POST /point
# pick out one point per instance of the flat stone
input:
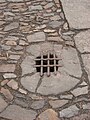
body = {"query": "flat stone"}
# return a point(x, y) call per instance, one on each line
point(15, 0)
point(48, 114)
point(15, 112)
point(22, 91)
point(69, 112)
point(80, 91)
point(3, 104)
point(9, 75)
point(30, 82)
point(36, 37)
point(56, 39)
point(82, 41)
point(48, 5)
point(27, 65)
point(7, 67)
point(56, 84)
point(70, 61)
point(35, 7)
point(38, 104)
point(11, 26)
point(57, 103)
point(13, 84)
point(34, 49)
point(7, 94)
point(86, 60)
point(68, 96)
point(77, 12)
point(86, 106)
point(55, 24)
point(81, 117)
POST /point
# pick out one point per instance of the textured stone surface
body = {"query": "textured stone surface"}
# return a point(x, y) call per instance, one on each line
point(48, 114)
point(38, 104)
point(69, 112)
point(30, 82)
point(86, 60)
point(36, 37)
point(58, 103)
point(28, 65)
point(7, 68)
point(82, 41)
point(11, 26)
point(79, 91)
point(3, 104)
point(12, 111)
point(77, 13)
point(56, 84)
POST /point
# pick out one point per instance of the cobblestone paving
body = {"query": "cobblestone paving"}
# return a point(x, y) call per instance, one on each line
point(29, 28)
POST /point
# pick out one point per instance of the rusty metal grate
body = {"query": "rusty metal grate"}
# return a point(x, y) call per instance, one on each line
point(47, 64)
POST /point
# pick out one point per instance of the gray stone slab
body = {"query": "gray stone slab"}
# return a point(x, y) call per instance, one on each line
point(77, 13)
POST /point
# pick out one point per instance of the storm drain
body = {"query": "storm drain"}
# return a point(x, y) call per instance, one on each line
point(47, 64)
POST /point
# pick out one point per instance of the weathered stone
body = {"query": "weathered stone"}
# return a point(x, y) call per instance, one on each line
point(36, 37)
point(34, 49)
point(56, 17)
point(82, 41)
point(48, 114)
point(86, 106)
point(80, 91)
point(11, 43)
point(70, 61)
point(69, 112)
point(30, 82)
point(9, 75)
point(15, 112)
point(68, 96)
point(76, 13)
point(15, 0)
point(55, 24)
point(56, 39)
point(86, 60)
point(38, 104)
point(13, 84)
point(35, 7)
point(11, 26)
point(7, 68)
point(56, 84)
point(3, 104)
point(22, 91)
point(48, 5)
point(7, 93)
point(57, 103)
point(28, 65)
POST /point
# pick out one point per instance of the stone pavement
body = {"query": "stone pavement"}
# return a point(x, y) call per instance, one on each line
point(44, 60)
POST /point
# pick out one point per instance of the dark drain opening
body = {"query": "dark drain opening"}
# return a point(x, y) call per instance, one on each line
point(47, 63)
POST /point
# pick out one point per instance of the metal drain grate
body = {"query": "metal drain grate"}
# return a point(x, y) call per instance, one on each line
point(47, 64)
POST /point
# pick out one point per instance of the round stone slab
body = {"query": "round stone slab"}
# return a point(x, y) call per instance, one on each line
point(56, 84)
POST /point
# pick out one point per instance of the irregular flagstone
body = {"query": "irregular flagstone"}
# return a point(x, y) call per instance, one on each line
point(82, 41)
point(70, 60)
point(86, 60)
point(69, 112)
point(57, 103)
point(3, 104)
point(80, 91)
point(30, 82)
point(48, 114)
point(11, 26)
point(77, 13)
point(56, 84)
point(28, 65)
point(38, 104)
point(15, 112)
point(36, 37)
point(7, 67)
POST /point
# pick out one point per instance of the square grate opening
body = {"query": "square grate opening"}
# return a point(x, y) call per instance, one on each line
point(47, 64)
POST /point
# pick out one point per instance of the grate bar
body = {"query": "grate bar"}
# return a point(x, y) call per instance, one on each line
point(41, 72)
point(55, 64)
point(47, 59)
point(48, 68)
point(47, 65)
